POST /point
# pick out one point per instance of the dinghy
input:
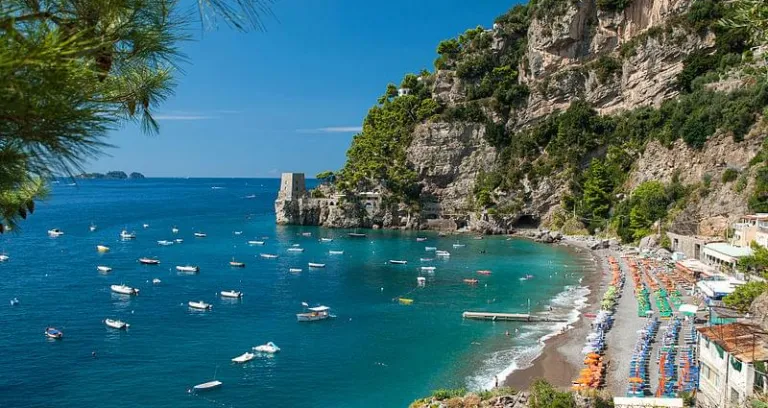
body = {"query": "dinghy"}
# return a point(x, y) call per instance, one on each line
point(484, 272)
point(200, 234)
point(430, 248)
point(294, 270)
point(179, 240)
point(459, 245)
point(356, 235)
point(270, 348)
point(116, 324)
point(295, 249)
point(471, 281)
point(4, 257)
point(164, 242)
point(326, 239)
point(243, 358)
point(53, 333)
point(149, 261)
point(397, 262)
point(428, 268)
point(316, 265)
point(187, 268)
point(405, 301)
point(306, 234)
point(200, 305)
point(231, 294)
point(54, 233)
point(174, 230)
point(444, 254)
point(102, 268)
point(238, 232)
point(156, 281)
point(335, 252)
point(236, 264)
point(421, 239)
point(421, 281)
point(124, 290)
point(268, 256)
point(426, 259)
point(145, 226)
point(255, 242)
point(102, 248)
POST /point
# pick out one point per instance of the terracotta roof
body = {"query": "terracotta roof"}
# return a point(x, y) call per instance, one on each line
point(746, 342)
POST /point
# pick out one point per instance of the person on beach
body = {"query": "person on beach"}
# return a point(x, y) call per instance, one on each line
point(507, 333)
point(496, 382)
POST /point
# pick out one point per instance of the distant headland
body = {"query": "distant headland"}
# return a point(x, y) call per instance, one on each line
point(111, 175)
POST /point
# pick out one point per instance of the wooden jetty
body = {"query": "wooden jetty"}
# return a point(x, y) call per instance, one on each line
point(510, 317)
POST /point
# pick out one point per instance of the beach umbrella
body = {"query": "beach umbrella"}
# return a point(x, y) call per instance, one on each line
point(593, 355)
point(635, 380)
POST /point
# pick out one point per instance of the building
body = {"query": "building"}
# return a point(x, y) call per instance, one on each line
point(724, 255)
point(728, 355)
point(714, 291)
point(292, 186)
point(695, 269)
point(690, 245)
point(752, 227)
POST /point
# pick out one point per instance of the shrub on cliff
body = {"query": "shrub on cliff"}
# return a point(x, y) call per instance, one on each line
point(741, 299)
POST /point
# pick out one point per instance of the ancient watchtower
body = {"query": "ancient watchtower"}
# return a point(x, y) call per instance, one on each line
point(292, 186)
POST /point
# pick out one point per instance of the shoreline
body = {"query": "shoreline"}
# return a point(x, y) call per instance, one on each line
point(560, 360)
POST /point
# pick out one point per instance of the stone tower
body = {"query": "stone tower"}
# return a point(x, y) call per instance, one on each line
point(292, 186)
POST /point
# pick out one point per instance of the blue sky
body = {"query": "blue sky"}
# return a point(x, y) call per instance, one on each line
point(290, 99)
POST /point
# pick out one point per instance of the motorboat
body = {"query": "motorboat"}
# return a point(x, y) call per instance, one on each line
point(326, 239)
point(250, 196)
point(526, 277)
point(102, 248)
point(124, 290)
point(397, 262)
point(459, 245)
point(53, 233)
point(335, 252)
point(116, 324)
point(443, 253)
point(426, 259)
point(316, 265)
point(4, 257)
point(478, 237)
point(356, 235)
point(470, 281)
point(306, 234)
point(145, 225)
point(268, 256)
point(421, 239)
point(296, 245)
point(200, 234)
point(430, 248)
point(236, 264)
point(187, 268)
point(178, 240)
point(149, 261)
point(255, 242)
point(231, 294)
point(238, 232)
point(164, 242)
point(200, 305)
point(102, 268)
point(53, 333)
point(92, 227)
point(14, 301)
point(295, 249)
point(207, 385)
point(314, 313)
point(124, 234)
point(156, 281)
point(484, 272)
point(243, 358)
point(270, 348)
point(174, 230)
point(428, 268)
point(421, 281)
point(294, 270)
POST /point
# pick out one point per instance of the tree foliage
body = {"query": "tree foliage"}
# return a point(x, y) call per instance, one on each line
point(741, 298)
point(544, 395)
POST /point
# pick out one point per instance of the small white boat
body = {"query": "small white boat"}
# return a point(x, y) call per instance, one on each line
point(145, 225)
point(4, 257)
point(306, 234)
point(238, 232)
point(335, 252)
point(200, 234)
point(356, 235)
point(187, 268)
point(102, 268)
point(207, 385)
point(92, 227)
point(124, 234)
point(149, 261)
point(426, 259)
point(164, 242)
point(314, 314)
point(295, 245)
point(326, 239)
point(443, 253)
point(236, 264)
point(53, 233)
point(200, 305)
point(156, 281)
point(124, 290)
point(102, 248)
point(526, 277)
point(294, 270)
point(243, 358)
point(255, 242)
point(459, 245)
point(250, 196)
point(430, 248)
point(316, 265)
point(14, 301)
point(268, 256)
point(421, 239)
point(53, 333)
point(117, 324)
point(270, 348)
point(295, 249)
point(179, 240)
point(421, 281)
point(231, 294)
point(397, 262)
point(175, 230)
point(428, 268)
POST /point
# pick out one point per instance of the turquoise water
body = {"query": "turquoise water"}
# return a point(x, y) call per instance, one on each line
point(376, 352)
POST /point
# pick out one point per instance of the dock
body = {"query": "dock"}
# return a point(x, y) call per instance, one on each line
point(510, 317)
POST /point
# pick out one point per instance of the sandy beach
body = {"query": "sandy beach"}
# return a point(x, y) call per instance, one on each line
point(561, 358)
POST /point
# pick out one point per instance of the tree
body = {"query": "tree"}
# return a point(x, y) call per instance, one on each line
point(72, 70)
point(648, 204)
point(741, 298)
point(544, 395)
point(326, 176)
point(757, 263)
point(750, 15)
point(597, 194)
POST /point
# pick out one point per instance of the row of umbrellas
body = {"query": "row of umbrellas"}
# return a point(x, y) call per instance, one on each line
point(639, 382)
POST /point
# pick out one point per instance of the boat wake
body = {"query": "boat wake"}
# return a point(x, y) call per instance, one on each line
point(566, 305)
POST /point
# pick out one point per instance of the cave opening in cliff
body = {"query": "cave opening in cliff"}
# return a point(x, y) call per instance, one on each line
point(527, 221)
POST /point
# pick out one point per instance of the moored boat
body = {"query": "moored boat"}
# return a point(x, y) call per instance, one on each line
point(294, 249)
point(526, 277)
point(397, 262)
point(174, 230)
point(207, 385)
point(187, 268)
point(103, 268)
point(405, 301)
point(92, 227)
point(53, 333)
point(314, 313)
point(444, 254)
point(156, 281)
point(164, 242)
point(124, 234)
point(335, 252)
point(316, 265)
point(116, 324)
point(470, 281)
point(421, 239)
point(238, 232)
point(421, 281)
point(200, 305)
point(428, 268)
point(243, 358)
point(270, 348)
point(484, 272)
point(306, 234)
point(4, 257)
point(459, 245)
point(149, 261)
point(430, 248)
point(268, 256)
point(102, 248)
point(53, 233)
point(236, 264)
point(178, 240)
point(356, 235)
point(426, 259)
point(14, 301)
point(294, 270)
point(145, 225)
point(124, 289)
point(326, 239)
point(255, 242)
point(200, 234)
point(231, 294)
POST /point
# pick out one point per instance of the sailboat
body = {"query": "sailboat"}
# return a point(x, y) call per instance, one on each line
point(208, 385)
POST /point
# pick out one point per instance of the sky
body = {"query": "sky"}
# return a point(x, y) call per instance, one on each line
point(289, 99)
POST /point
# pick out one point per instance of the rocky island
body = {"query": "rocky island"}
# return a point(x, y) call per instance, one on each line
point(112, 175)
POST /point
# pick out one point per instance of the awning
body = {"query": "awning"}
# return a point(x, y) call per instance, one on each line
point(688, 308)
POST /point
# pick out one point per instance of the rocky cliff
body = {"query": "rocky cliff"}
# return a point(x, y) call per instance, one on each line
point(492, 86)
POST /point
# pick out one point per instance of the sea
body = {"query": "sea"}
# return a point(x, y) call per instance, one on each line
point(374, 352)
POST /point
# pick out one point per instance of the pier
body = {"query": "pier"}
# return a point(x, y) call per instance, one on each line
point(510, 317)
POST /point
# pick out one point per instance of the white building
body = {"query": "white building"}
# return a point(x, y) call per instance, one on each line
point(723, 254)
point(752, 227)
point(727, 357)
